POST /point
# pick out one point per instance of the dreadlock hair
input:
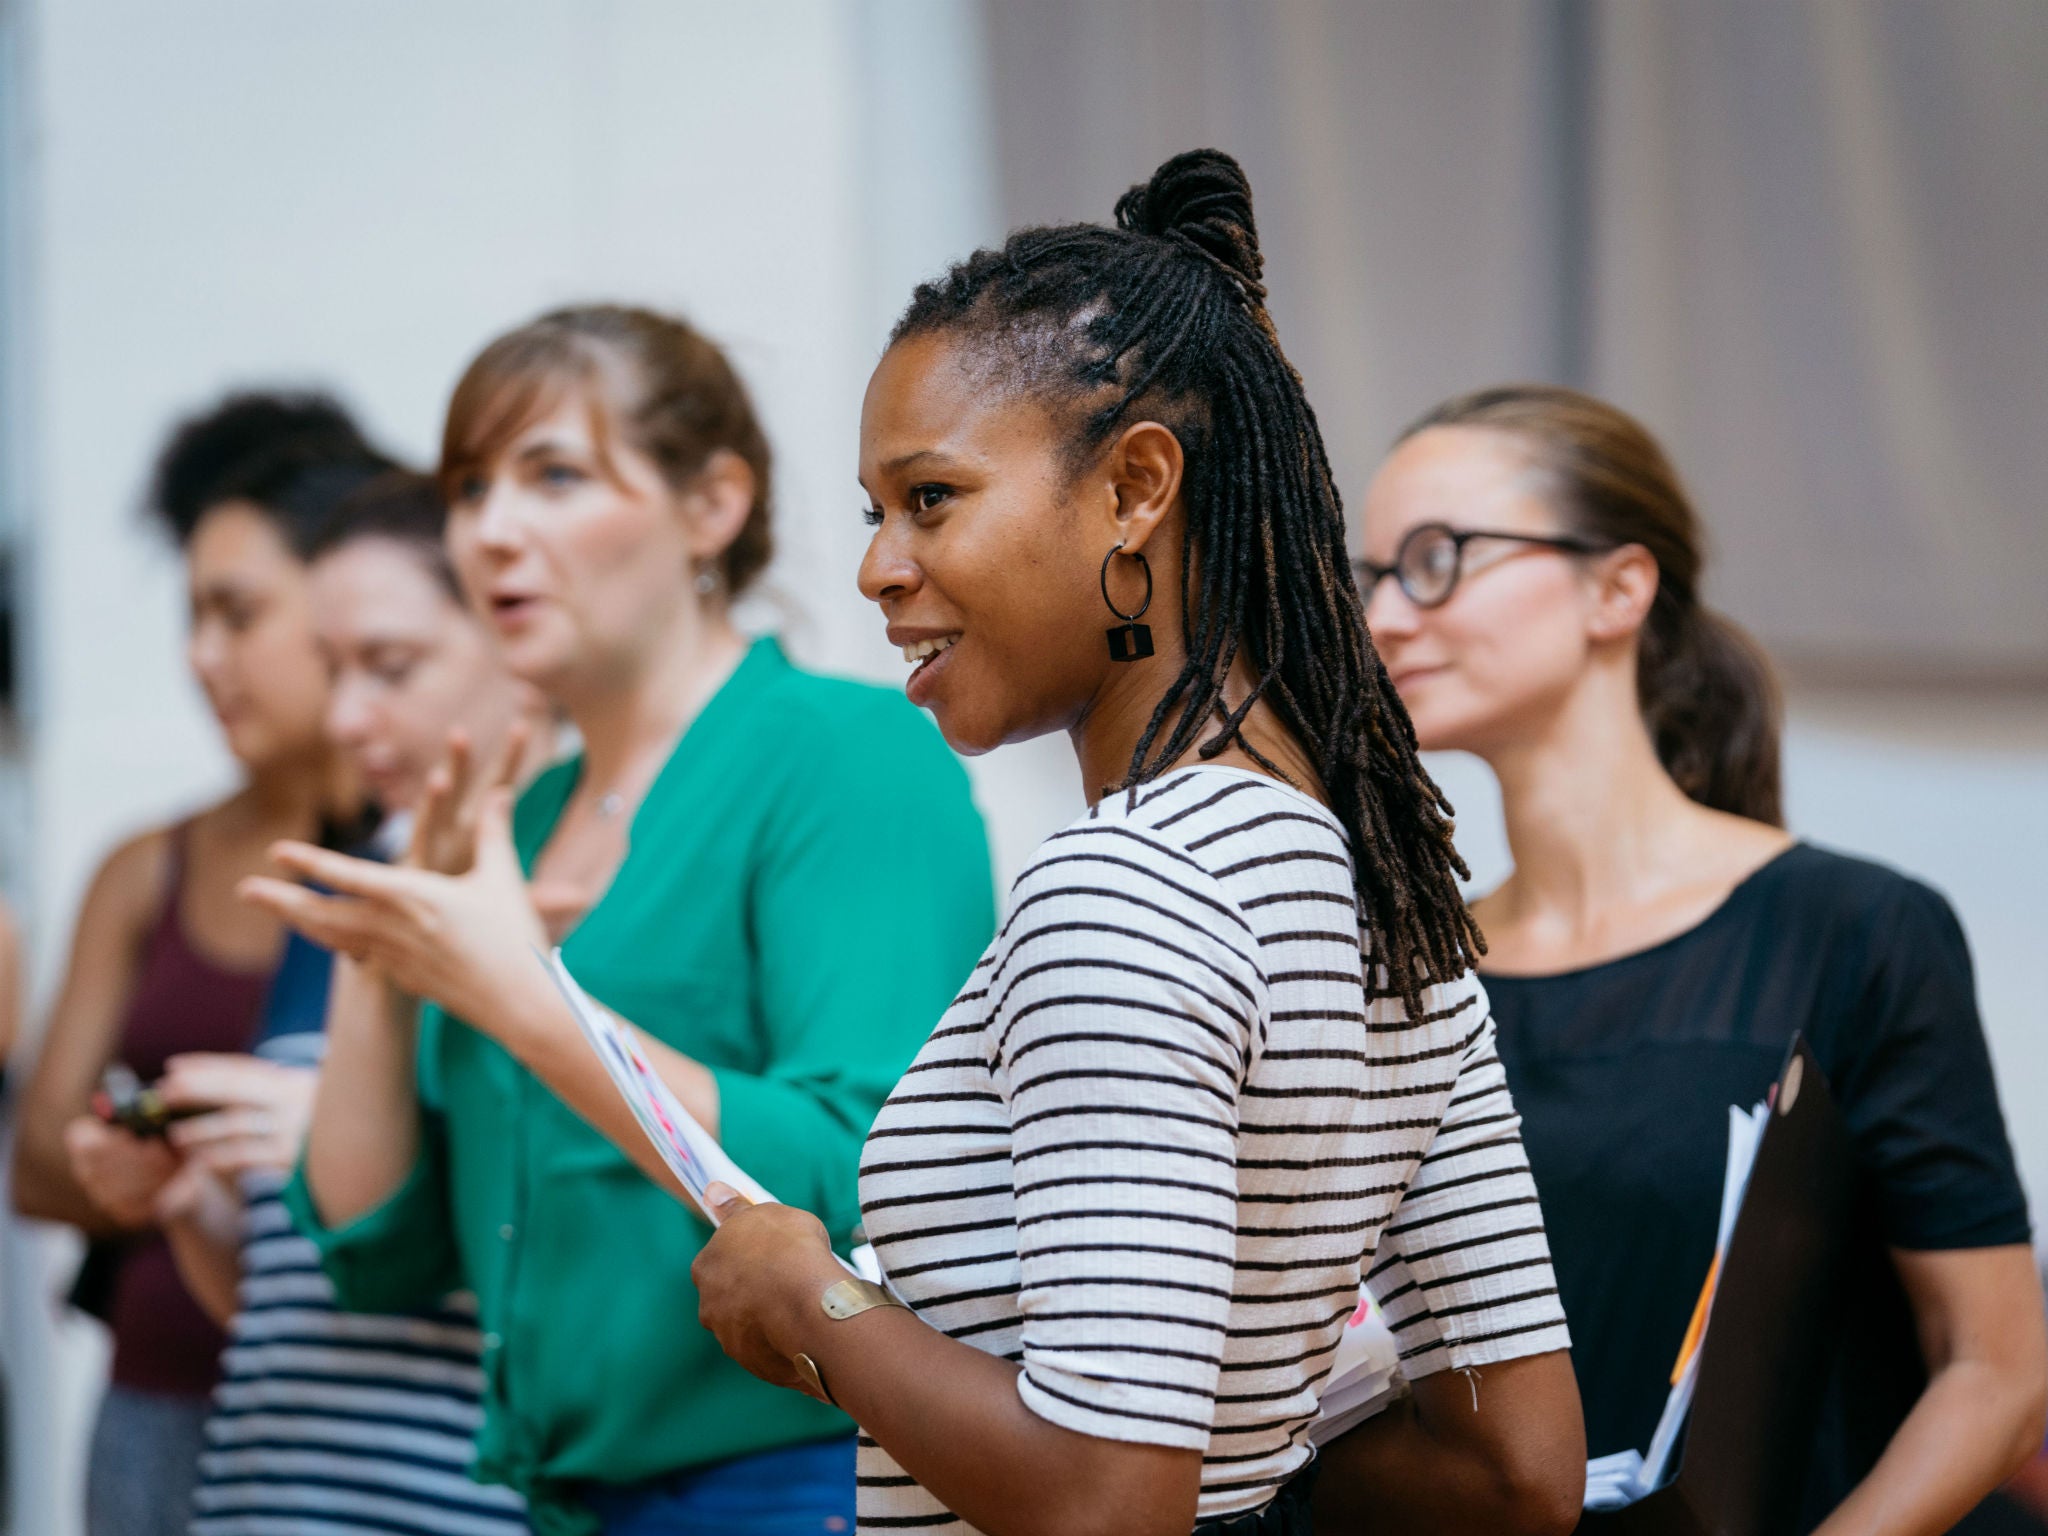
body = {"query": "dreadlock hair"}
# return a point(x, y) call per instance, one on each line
point(1163, 318)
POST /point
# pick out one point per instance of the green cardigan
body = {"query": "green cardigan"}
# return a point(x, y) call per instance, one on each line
point(807, 884)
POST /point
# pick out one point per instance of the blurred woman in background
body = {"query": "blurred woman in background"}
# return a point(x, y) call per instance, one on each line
point(361, 1422)
point(1532, 574)
point(165, 960)
point(410, 662)
point(777, 877)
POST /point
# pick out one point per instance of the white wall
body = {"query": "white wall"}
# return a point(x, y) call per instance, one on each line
point(224, 192)
point(1951, 788)
point(360, 196)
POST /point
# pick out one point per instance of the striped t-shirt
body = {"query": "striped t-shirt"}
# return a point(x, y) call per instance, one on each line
point(331, 1423)
point(1149, 1151)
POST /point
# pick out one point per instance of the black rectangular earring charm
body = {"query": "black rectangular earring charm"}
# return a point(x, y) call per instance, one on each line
point(1130, 642)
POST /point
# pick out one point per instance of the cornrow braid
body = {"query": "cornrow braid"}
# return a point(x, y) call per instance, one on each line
point(1163, 318)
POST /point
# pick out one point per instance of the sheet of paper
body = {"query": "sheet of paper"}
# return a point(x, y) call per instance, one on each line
point(691, 1153)
point(1614, 1482)
point(1662, 1443)
point(1745, 1134)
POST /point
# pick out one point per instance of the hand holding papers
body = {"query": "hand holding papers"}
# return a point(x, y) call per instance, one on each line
point(692, 1155)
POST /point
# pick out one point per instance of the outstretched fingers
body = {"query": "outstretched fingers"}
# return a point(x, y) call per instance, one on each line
point(344, 873)
point(510, 756)
point(437, 825)
point(334, 923)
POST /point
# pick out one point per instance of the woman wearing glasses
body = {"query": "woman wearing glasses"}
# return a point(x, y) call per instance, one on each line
point(1662, 937)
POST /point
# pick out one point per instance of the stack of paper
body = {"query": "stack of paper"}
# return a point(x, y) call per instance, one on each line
point(1365, 1376)
point(1614, 1481)
point(1622, 1478)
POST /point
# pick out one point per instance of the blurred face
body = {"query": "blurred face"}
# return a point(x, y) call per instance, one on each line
point(577, 561)
point(407, 663)
point(984, 561)
point(1520, 628)
point(252, 646)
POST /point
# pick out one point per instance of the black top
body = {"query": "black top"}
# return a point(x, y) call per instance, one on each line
point(1624, 1073)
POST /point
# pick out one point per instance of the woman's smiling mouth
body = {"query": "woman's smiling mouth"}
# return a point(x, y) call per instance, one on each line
point(927, 655)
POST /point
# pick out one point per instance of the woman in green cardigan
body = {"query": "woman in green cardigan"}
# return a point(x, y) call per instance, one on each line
point(779, 879)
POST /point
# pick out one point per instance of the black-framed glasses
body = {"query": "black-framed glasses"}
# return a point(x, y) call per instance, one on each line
point(1431, 558)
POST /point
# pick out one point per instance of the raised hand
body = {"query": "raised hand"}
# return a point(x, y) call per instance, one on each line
point(465, 941)
point(444, 828)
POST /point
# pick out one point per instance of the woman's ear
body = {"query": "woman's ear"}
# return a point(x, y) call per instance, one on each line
point(719, 501)
point(1145, 466)
point(1625, 585)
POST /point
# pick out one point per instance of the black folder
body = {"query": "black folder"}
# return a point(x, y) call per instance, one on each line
point(1771, 1335)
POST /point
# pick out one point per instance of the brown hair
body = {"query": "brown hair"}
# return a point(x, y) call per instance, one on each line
point(1707, 690)
point(402, 506)
point(649, 377)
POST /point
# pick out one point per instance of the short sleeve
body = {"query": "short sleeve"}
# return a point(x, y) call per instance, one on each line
point(1463, 1266)
point(1913, 1077)
point(1125, 994)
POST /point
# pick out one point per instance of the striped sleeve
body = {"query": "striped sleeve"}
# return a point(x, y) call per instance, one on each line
point(1120, 1037)
point(1463, 1269)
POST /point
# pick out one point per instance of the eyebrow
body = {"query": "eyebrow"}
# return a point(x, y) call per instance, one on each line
point(218, 588)
point(906, 460)
point(545, 447)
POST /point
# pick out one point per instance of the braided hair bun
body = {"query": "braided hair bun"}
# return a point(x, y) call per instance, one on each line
point(1202, 200)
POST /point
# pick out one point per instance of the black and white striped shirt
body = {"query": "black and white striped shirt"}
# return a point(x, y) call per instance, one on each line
point(1148, 1152)
point(332, 1423)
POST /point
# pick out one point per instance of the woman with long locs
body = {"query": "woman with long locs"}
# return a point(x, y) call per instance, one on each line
point(1227, 1053)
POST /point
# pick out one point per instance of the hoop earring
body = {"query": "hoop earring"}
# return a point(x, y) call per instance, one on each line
point(1130, 640)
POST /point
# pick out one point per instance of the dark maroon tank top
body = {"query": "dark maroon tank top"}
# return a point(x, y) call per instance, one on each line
point(163, 1339)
